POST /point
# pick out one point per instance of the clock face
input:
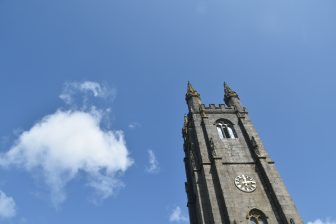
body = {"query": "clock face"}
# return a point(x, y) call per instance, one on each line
point(245, 183)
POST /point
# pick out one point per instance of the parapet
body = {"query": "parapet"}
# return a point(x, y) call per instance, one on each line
point(217, 108)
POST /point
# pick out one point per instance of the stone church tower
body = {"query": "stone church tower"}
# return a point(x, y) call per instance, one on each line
point(230, 177)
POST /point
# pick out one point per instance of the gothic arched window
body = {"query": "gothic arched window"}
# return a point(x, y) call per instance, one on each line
point(225, 129)
point(256, 216)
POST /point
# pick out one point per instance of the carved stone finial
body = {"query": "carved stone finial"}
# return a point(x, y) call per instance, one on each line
point(191, 92)
point(213, 148)
point(229, 92)
point(254, 142)
point(185, 126)
point(192, 159)
point(255, 146)
point(203, 114)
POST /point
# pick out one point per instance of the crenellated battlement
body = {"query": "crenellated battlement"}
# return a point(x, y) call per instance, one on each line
point(217, 108)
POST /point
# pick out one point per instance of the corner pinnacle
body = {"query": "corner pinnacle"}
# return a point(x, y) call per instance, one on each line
point(191, 92)
point(228, 92)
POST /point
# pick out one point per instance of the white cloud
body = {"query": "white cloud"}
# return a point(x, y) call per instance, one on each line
point(67, 143)
point(86, 89)
point(320, 221)
point(7, 206)
point(177, 216)
point(153, 163)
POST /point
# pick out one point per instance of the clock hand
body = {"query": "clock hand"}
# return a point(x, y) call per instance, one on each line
point(250, 181)
point(245, 181)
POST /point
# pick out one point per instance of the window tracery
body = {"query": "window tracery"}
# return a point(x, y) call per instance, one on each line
point(256, 216)
point(225, 130)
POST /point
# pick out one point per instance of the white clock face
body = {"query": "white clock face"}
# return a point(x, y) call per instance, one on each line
point(245, 183)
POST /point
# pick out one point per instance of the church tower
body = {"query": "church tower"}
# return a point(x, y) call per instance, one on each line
point(230, 177)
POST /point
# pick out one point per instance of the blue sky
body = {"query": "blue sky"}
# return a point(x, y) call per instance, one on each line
point(118, 70)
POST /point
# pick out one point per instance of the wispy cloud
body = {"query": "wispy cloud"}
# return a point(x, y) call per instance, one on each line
point(134, 125)
point(85, 90)
point(321, 221)
point(7, 206)
point(153, 166)
point(68, 142)
point(177, 216)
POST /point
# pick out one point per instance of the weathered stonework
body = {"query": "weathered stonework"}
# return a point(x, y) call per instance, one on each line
point(212, 164)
